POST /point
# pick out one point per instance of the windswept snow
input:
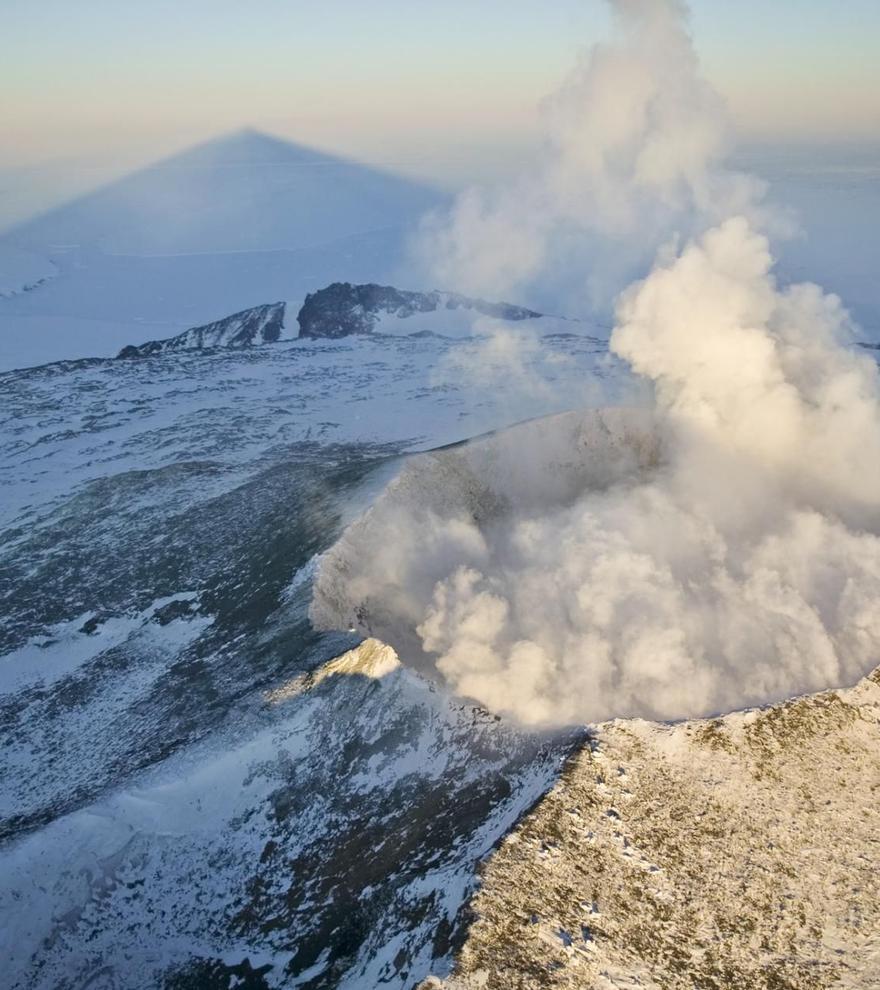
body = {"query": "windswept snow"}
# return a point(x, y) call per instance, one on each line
point(362, 804)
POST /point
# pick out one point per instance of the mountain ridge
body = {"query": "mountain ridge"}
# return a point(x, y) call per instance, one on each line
point(341, 309)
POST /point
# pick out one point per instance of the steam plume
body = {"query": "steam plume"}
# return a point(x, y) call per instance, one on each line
point(746, 569)
point(635, 140)
point(740, 562)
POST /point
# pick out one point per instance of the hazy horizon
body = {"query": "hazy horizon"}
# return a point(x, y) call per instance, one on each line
point(448, 97)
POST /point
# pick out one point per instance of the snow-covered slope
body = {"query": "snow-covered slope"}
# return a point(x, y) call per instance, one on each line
point(259, 325)
point(334, 846)
point(22, 271)
point(342, 309)
point(241, 192)
point(197, 786)
point(202, 789)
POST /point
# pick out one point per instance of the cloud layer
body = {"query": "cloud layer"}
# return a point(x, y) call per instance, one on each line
point(745, 569)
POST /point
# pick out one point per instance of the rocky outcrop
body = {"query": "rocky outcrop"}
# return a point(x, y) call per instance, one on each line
point(339, 310)
point(259, 325)
point(342, 309)
point(739, 851)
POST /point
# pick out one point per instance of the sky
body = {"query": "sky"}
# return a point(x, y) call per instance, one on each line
point(445, 91)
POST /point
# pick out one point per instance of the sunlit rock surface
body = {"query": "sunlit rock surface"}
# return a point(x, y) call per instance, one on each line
point(740, 852)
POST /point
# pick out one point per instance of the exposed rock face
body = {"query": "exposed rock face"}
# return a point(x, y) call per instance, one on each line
point(260, 325)
point(339, 310)
point(740, 852)
point(342, 309)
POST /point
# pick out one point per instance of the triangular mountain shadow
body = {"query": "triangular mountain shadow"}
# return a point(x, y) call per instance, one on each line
point(245, 191)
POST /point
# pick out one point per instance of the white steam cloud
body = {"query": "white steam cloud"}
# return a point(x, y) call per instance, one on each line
point(747, 568)
point(634, 149)
point(723, 552)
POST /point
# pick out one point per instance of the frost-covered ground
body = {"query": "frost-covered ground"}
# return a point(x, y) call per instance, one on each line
point(194, 790)
point(180, 802)
point(188, 264)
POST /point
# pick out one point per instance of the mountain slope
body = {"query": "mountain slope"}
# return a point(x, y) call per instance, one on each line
point(334, 847)
point(22, 271)
point(738, 852)
point(259, 325)
point(214, 230)
point(342, 309)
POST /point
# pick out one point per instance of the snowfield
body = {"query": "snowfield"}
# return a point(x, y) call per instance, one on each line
point(196, 789)
point(229, 564)
point(22, 271)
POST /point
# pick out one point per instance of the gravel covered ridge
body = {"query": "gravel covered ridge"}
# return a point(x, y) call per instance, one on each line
point(740, 852)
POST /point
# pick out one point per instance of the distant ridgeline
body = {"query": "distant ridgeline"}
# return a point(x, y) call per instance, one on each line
point(259, 325)
point(339, 310)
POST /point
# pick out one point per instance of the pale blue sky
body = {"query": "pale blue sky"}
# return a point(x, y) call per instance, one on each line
point(440, 88)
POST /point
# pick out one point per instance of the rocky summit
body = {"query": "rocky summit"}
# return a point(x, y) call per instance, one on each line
point(735, 852)
point(342, 309)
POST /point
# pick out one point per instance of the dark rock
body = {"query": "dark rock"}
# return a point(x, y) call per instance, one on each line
point(259, 325)
point(343, 309)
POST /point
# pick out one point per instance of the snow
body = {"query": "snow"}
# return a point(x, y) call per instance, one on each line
point(742, 854)
point(137, 415)
point(241, 192)
point(22, 271)
point(177, 506)
point(464, 322)
point(181, 778)
point(65, 646)
point(238, 222)
point(195, 829)
point(114, 287)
